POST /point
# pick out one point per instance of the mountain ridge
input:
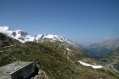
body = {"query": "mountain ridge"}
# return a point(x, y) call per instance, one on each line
point(58, 61)
point(104, 48)
point(112, 56)
point(24, 37)
point(17, 34)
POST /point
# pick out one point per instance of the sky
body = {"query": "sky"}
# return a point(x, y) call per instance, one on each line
point(82, 21)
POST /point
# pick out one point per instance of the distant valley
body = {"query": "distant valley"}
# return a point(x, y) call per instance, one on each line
point(112, 56)
point(104, 48)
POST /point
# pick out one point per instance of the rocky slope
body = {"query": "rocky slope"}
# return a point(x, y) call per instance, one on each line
point(41, 75)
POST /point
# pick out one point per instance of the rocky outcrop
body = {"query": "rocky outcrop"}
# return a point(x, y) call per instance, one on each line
point(41, 75)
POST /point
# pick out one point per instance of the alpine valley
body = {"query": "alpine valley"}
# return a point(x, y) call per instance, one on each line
point(58, 57)
point(104, 48)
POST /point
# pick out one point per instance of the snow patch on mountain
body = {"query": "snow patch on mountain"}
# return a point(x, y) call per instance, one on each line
point(24, 37)
point(37, 37)
point(51, 37)
point(68, 49)
point(17, 34)
point(93, 66)
point(5, 30)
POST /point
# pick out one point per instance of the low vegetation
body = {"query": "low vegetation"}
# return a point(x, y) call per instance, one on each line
point(111, 57)
point(58, 61)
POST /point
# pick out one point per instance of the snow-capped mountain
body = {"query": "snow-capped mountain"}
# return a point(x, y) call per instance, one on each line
point(51, 37)
point(17, 34)
point(24, 37)
point(66, 42)
point(55, 38)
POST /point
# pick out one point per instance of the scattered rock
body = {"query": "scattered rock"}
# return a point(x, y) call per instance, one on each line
point(41, 75)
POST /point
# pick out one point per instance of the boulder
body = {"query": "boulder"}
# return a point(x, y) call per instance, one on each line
point(41, 75)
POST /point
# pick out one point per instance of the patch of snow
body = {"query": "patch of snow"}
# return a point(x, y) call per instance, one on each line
point(56, 36)
point(29, 38)
point(68, 49)
point(38, 37)
point(18, 34)
point(49, 36)
point(53, 38)
point(23, 36)
point(4, 28)
point(93, 66)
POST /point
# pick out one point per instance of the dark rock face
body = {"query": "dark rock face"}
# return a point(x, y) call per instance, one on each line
point(14, 34)
point(23, 33)
point(6, 40)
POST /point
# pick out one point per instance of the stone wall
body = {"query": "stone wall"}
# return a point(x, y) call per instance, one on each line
point(24, 72)
point(5, 76)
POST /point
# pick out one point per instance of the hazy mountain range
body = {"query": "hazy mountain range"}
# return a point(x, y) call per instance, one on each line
point(112, 56)
point(104, 48)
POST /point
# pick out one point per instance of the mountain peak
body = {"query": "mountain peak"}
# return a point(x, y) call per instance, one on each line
point(17, 34)
point(4, 28)
point(24, 36)
point(55, 38)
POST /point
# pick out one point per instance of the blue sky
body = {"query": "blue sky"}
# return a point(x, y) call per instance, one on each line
point(83, 21)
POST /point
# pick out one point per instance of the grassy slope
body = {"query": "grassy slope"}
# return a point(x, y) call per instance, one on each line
point(54, 59)
point(111, 57)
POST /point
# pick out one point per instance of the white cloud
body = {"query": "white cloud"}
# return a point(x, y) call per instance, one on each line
point(107, 38)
